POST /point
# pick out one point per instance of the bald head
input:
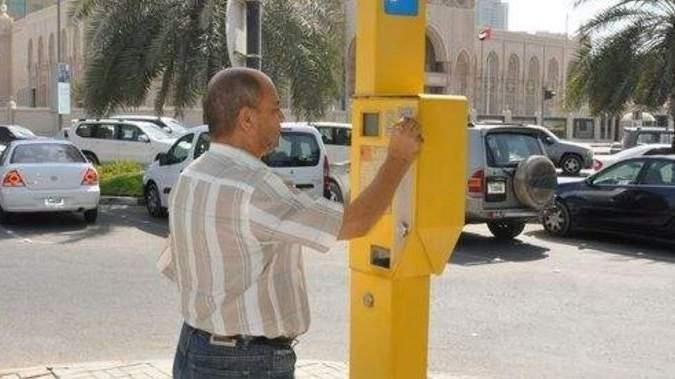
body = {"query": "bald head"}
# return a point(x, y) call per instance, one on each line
point(229, 91)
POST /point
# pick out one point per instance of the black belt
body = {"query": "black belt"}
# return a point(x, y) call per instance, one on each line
point(234, 340)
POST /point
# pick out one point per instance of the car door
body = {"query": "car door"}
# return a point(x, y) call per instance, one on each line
point(132, 144)
point(177, 158)
point(606, 202)
point(104, 143)
point(654, 200)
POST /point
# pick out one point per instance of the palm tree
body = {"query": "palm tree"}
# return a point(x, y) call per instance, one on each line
point(627, 56)
point(174, 46)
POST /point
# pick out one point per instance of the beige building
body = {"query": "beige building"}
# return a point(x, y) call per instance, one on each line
point(503, 77)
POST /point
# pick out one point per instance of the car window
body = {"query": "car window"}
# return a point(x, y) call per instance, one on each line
point(104, 131)
point(620, 174)
point(508, 149)
point(85, 130)
point(202, 145)
point(129, 133)
point(646, 138)
point(47, 153)
point(326, 134)
point(296, 149)
point(181, 149)
point(660, 173)
point(666, 138)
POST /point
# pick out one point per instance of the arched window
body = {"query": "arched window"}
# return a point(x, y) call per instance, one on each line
point(512, 80)
point(51, 50)
point(75, 62)
point(553, 83)
point(492, 106)
point(29, 62)
point(532, 87)
point(64, 45)
point(462, 74)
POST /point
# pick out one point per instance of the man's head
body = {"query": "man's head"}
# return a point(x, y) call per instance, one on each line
point(242, 107)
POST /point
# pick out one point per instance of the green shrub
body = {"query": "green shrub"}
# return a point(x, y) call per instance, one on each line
point(121, 179)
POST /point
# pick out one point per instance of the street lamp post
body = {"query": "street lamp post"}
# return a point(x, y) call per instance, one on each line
point(253, 34)
point(58, 60)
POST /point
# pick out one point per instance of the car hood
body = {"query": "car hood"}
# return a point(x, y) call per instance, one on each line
point(578, 147)
point(570, 185)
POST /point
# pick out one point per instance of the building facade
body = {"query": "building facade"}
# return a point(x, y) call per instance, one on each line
point(493, 13)
point(503, 77)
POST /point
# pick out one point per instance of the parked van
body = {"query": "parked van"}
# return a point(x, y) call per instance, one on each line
point(300, 159)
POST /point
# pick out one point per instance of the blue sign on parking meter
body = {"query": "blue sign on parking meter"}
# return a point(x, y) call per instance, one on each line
point(401, 7)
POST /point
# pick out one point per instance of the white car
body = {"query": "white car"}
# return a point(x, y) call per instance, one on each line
point(47, 176)
point(119, 140)
point(603, 161)
point(300, 159)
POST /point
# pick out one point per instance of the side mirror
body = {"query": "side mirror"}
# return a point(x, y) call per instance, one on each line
point(143, 138)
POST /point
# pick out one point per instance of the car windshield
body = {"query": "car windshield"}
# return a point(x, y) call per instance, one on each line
point(47, 153)
point(154, 131)
point(296, 149)
point(508, 149)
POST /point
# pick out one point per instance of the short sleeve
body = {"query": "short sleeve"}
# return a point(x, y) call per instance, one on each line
point(280, 214)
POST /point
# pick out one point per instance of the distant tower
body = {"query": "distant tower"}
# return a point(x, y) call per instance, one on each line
point(6, 23)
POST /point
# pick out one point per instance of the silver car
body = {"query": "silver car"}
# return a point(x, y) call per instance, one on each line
point(47, 176)
point(509, 180)
point(569, 156)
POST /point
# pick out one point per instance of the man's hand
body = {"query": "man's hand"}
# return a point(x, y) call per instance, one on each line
point(364, 212)
point(406, 140)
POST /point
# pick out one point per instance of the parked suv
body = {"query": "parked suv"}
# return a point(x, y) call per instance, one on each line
point(569, 156)
point(118, 140)
point(509, 177)
point(300, 159)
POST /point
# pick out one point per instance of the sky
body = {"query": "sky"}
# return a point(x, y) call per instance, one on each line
point(550, 15)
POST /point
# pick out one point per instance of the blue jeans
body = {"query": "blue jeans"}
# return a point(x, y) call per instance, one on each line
point(197, 358)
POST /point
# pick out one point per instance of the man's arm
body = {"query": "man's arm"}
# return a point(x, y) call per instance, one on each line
point(366, 210)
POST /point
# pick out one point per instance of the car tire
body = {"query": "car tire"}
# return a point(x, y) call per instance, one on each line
point(571, 164)
point(506, 230)
point(5, 217)
point(333, 192)
point(91, 215)
point(91, 157)
point(153, 202)
point(557, 220)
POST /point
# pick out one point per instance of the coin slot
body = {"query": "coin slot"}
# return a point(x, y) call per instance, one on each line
point(371, 124)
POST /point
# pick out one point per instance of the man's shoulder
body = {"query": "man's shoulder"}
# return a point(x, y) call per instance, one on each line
point(217, 168)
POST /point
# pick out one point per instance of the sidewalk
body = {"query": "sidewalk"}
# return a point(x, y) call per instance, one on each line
point(305, 369)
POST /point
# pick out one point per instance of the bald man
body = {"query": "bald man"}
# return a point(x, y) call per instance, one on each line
point(236, 232)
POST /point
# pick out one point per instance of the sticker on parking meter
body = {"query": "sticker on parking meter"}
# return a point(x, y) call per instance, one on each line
point(401, 7)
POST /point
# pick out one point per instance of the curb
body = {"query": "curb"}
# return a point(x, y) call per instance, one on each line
point(122, 200)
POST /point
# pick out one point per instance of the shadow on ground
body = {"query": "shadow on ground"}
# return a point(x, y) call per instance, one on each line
point(73, 228)
point(475, 249)
point(612, 244)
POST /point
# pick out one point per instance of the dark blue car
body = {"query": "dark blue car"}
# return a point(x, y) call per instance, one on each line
point(635, 197)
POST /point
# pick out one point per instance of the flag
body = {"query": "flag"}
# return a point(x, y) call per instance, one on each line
point(484, 34)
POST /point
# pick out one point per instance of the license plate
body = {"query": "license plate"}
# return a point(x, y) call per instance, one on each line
point(496, 188)
point(54, 202)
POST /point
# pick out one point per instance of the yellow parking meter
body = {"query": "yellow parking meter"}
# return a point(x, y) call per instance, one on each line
point(391, 266)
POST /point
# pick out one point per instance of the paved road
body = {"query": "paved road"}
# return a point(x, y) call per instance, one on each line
point(584, 307)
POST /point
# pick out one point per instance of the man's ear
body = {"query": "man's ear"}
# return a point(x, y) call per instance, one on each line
point(247, 119)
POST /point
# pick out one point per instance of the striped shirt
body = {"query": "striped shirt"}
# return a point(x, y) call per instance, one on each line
point(234, 248)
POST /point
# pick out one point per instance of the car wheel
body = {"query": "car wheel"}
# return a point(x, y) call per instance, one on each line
point(333, 192)
point(91, 215)
point(5, 217)
point(153, 202)
point(506, 230)
point(91, 157)
point(557, 220)
point(571, 164)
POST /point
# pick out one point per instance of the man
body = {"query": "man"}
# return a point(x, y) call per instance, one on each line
point(237, 229)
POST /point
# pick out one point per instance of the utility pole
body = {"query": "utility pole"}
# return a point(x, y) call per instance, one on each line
point(253, 34)
point(58, 60)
